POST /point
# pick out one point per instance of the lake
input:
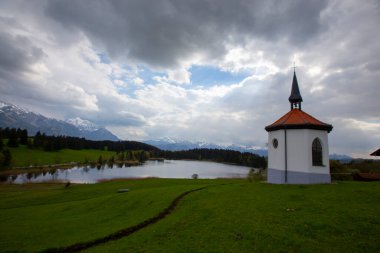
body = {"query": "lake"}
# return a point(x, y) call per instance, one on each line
point(160, 169)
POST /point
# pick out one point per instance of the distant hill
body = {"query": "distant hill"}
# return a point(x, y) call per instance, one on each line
point(342, 158)
point(13, 116)
point(177, 145)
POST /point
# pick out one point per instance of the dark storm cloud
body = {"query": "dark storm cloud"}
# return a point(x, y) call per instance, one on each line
point(162, 33)
point(17, 54)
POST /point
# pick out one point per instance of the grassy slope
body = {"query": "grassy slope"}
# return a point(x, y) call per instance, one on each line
point(40, 216)
point(231, 216)
point(22, 156)
point(257, 217)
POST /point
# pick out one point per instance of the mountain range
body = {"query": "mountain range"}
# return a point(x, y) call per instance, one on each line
point(13, 116)
point(176, 145)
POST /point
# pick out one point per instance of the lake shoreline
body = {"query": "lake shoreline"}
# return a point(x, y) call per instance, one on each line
point(52, 167)
point(156, 169)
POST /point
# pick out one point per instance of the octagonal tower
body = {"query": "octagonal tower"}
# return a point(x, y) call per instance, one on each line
point(298, 150)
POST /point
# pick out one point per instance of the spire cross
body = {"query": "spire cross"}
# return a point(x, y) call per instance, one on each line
point(294, 63)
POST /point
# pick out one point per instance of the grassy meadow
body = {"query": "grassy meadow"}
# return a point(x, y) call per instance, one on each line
point(23, 156)
point(227, 216)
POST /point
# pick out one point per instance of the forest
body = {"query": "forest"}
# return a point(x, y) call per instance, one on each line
point(216, 155)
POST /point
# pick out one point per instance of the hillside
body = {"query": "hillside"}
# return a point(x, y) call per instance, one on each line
point(178, 145)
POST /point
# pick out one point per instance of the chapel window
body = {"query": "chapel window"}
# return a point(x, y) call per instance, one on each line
point(317, 152)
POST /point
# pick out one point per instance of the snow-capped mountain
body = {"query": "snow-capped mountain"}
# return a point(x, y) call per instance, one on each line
point(83, 124)
point(4, 107)
point(15, 117)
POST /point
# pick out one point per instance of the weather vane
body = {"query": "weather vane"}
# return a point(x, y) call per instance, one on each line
point(294, 63)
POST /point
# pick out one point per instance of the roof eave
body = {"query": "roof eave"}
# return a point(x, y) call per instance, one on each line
point(326, 127)
point(376, 153)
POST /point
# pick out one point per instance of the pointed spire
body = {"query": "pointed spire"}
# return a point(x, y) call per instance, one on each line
point(295, 97)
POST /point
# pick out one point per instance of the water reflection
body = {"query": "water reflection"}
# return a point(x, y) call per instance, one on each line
point(162, 169)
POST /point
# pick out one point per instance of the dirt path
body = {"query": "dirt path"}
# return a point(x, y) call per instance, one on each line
point(124, 232)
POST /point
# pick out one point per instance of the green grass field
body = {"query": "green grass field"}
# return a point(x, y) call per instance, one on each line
point(23, 156)
point(227, 216)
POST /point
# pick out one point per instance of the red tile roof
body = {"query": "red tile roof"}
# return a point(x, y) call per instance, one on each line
point(298, 119)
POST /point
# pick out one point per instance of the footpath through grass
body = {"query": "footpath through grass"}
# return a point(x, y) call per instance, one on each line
point(257, 217)
point(40, 216)
point(230, 216)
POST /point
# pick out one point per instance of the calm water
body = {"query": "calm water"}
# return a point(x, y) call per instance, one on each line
point(165, 169)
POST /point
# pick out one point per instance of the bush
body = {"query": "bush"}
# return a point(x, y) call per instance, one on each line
point(251, 175)
point(194, 176)
point(100, 160)
point(342, 176)
point(366, 166)
point(255, 177)
point(338, 167)
point(340, 171)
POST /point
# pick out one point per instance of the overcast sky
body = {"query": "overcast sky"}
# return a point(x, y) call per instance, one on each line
point(204, 70)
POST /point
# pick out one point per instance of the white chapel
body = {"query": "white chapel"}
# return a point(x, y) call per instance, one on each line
point(298, 150)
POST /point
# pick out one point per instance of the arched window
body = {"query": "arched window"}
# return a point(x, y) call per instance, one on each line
point(317, 153)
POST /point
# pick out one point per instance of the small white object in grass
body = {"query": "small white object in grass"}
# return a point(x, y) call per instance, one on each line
point(122, 190)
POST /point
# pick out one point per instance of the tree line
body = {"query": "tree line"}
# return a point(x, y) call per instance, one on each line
point(54, 143)
point(216, 155)
point(12, 138)
point(16, 137)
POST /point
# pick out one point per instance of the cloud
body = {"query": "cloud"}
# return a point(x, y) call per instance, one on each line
point(167, 33)
point(138, 80)
point(17, 53)
point(129, 65)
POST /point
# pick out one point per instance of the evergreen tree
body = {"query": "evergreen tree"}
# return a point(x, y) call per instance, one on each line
point(12, 138)
point(24, 137)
